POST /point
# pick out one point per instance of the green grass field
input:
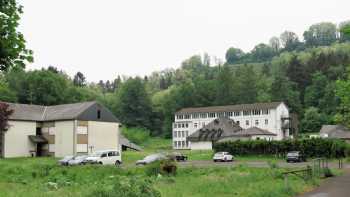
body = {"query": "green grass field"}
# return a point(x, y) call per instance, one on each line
point(41, 177)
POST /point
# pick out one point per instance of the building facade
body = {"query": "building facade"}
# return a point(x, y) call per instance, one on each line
point(272, 117)
point(60, 130)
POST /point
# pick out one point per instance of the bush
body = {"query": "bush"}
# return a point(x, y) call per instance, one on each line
point(136, 135)
point(124, 187)
point(163, 167)
point(315, 147)
point(327, 172)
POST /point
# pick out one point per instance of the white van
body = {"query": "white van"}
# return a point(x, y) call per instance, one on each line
point(105, 157)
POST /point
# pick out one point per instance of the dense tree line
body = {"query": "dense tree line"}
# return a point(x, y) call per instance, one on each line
point(311, 76)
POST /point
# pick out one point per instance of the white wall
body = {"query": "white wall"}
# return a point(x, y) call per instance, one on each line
point(103, 135)
point(64, 138)
point(201, 146)
point(17, 143)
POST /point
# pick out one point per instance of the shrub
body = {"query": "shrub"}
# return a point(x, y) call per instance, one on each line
point(125, 187)
point(315, 147)
point(327, 172)
point(163, 167)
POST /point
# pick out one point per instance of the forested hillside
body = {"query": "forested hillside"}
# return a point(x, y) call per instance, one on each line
point(311, 74)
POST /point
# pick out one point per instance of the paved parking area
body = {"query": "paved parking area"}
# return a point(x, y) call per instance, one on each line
point(332, 187)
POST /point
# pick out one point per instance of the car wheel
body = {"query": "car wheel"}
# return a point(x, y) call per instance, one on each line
point(117, 163)
point(225, 159)
point(100, 163)
point(214, 160)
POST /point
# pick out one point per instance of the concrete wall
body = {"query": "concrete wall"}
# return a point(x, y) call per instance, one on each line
point(17, 143)
point(103, 135)
point(64, 138)
point(201, 146)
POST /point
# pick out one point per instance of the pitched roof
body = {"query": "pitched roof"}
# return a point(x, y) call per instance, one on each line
point(222, 128)
point(51, 113)
point(217, 129)
point(335, 131)
point(271, 105)
point(125, 142)
point(254, 131)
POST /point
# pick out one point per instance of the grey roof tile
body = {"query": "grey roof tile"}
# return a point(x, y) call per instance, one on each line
point(226, 108)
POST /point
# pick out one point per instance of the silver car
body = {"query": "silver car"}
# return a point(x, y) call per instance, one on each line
point(65, 160)
point(150, 159)
point(78, 160)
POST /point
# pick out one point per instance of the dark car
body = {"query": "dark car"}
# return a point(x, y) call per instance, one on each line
point(295, 156)
point(177, 156)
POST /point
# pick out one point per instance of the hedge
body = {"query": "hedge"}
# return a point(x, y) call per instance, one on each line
point(315, 147)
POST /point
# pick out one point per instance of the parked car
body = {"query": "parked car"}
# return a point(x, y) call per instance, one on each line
point(222, 156)
point(177, 156)
point(65, 160)
point(295, 156)
point(150, 159)
point(78, 160)
point(105, 157)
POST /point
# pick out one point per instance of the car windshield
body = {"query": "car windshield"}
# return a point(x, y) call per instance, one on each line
point(96, 154)
point(293, 154)
point(80, 157)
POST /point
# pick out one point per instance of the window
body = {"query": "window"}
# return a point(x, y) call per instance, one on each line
point(183, 125)
point(186, 143)
point(98, 114)
point(256, 112)
point(256, 122)
point(266, 121)
point(195, 125)
point(195, 115)
point(178, 144)
point(111, 154)
point(186, 133)
point(187, 116)
point(229, 114)
point(265, 111)
point(175, 133)
point(186, 125)
point(247, 122)
point(104, 155)
point(180, 117)
point(204, 115)
point(183, 144)
point(175, 126)
point(246, 113)
point(237, 113)
point(212, 115)
point(183, 133)
point(220, 114)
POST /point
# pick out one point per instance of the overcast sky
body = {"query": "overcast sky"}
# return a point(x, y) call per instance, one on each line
point(106, 38)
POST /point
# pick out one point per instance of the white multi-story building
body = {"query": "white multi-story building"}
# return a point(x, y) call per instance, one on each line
point(272, 117)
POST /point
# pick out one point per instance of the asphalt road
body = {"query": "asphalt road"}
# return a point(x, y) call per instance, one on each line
point(332, 187)
point(262, 164)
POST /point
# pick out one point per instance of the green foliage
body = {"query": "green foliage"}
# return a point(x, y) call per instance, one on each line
point(321, 34)
point(12, 44)
point(233, 55)
point(313, 120)
point(315, 147)
point(125, 187)
point(136, 135)
point(133, 104)
point(342, 91)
